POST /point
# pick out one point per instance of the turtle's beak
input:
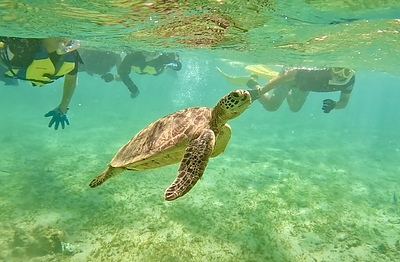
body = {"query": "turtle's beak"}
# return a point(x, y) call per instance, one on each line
point(254, 95)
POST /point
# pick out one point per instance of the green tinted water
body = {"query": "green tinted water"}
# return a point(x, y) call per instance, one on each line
point(300, 186)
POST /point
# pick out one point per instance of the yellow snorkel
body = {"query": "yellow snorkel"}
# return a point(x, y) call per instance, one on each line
point(343, 72)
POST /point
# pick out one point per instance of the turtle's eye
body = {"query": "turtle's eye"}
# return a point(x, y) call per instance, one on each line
point(235, 95)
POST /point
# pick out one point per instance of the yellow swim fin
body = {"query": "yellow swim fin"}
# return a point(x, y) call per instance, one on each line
point(262, 71)
point(235, 80)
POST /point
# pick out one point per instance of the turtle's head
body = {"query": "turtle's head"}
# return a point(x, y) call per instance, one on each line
point(233, 104)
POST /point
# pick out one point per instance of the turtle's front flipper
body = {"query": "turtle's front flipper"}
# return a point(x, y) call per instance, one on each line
point(106, 174)
point(222, 140)
point(193, 164)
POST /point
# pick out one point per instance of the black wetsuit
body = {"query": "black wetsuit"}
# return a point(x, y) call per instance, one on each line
point(317, 80)
point(138, 60)
point(24, 50)
point(98, 62)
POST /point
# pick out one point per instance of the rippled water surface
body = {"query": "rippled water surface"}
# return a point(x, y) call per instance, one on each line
point(360, 34)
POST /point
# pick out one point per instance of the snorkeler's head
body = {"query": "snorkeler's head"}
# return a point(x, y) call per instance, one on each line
point(174, 65)
point(343, 72)
point(174, 62)
point(66, 45)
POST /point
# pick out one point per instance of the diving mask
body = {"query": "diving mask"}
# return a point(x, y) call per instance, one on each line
point(67, 46)
point(175, 65)
point(343, 72)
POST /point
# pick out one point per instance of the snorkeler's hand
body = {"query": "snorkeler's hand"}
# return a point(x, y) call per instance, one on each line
point(328, 105)
point(107, 77)
point(134, 90)
point(58, 117)
point(135, 94)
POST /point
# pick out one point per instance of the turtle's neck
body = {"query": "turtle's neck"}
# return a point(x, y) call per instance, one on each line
point(218, 119)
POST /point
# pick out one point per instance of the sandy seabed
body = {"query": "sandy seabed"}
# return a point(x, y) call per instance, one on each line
point(289, 200)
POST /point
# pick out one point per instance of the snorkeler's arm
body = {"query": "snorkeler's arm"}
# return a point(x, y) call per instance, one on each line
point(124, 70)
point(286, 77)
point(68, 91)
point(118, 62)
point(343, 101)
point(58, 114)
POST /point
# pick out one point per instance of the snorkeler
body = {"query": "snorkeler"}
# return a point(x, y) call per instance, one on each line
point(295, 84)
point(42, 61)
point(146, 63)
point(99, 62)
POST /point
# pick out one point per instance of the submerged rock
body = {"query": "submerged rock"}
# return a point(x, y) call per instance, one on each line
point(38, 242)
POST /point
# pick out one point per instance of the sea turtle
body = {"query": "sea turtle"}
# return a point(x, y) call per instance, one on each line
point(191, 136)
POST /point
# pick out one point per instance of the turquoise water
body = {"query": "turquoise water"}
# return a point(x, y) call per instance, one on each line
point(303, 186)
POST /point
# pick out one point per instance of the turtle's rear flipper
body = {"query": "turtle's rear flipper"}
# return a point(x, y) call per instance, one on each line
point(106, 174)
point(192, 166)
